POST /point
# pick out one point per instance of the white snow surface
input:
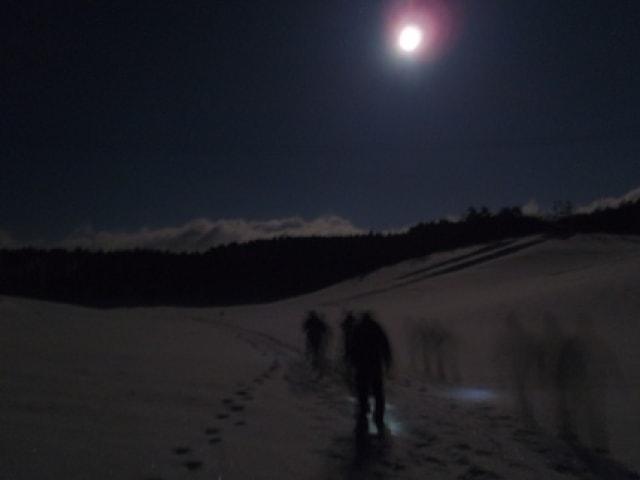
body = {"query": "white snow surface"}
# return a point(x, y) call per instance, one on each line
point(226, 393)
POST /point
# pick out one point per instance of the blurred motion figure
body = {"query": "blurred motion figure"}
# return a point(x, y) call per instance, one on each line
point(584, 369)
point(368, 353)
point(346, 326)
point(433, 351)
point(520, 350)
point(317, 337)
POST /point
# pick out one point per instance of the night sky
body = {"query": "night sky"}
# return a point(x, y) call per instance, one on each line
point(123, 114)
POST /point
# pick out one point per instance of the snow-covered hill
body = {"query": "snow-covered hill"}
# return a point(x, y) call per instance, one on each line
point(494, 344)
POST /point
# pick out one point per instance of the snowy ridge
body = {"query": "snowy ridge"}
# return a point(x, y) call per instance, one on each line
point(171, 393)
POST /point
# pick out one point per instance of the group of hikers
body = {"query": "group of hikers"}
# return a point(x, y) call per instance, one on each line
point(366, 356)
point(433, 350)
point(569, 367)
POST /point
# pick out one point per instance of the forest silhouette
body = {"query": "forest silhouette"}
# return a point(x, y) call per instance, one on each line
point(269, 270)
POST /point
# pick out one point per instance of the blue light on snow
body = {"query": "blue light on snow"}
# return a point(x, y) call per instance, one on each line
point(472, 394)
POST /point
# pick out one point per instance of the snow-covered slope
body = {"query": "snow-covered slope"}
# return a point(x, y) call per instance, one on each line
point(515, 335)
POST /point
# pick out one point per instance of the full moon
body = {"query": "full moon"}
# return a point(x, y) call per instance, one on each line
point(410, 38)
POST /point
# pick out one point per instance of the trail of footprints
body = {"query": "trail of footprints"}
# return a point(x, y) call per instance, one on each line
point(233, 407)
point(502, 436)
point(437, 443)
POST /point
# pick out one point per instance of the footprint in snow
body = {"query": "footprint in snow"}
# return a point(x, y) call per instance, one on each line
point(435, 461)
point(462, 446)
point(477, 473)
point(193, 465)
point(483, 453)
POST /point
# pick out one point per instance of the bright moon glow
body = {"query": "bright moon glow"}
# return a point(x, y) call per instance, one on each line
point(410, 38)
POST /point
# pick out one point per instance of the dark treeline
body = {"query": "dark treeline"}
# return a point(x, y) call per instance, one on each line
point(267, 270)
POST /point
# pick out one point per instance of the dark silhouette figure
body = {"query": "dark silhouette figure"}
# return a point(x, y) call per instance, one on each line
point(572, 384)
point(583, 370)
point(346, 326)
point(434, 351)
point(520, 350)
point(414, 344)
point(369, 354)
point(317, 333)
point(441, 352)
point(439, 340)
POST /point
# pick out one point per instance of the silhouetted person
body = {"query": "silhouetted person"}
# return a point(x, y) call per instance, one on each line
point(572, 384)
point(438, 342)
point(415, 345)
point(434, 350)
point(521, 351)
point(317, 333)
point(445, 353)
point(584, 368)
point(369, 355)
point(347, 326)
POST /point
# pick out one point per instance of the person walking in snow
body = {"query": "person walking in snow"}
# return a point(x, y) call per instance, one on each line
point(317, 336)
point(369, 355)
point(347, 330)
